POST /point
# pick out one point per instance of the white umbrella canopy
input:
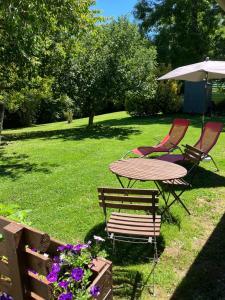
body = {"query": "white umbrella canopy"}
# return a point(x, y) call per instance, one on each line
point(205, 70)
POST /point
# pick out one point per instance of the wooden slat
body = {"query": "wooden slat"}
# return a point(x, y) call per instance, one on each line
point(134, 215)
point(128, 191)
point(5, 286)
point(32, 237)
point(136, 220)
point(133, 232)
point(104, 281)
point(33, 296)
point(130, 227)
point(41, 287)
point(125, 222)
point(127, 206)
point(4, 268)
point(99, 263)
point(3, 247)
point(13, 236)
point(127, 198)
point(180, 182)
point(37, 262)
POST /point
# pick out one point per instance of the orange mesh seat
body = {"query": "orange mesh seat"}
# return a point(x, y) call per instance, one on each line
point(206, 142)
point(170, 141)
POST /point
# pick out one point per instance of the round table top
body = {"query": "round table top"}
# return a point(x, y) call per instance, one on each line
point(147, 169)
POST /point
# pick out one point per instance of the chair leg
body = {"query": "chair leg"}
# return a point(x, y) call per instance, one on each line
point(177, 198)
point(217, 169)
point(114, 246)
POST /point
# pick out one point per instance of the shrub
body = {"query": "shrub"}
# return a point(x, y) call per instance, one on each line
point(168, 96)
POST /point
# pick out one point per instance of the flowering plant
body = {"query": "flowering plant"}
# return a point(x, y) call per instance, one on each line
point(71, 274)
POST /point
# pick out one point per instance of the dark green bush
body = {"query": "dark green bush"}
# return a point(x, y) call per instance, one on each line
point(168, 96)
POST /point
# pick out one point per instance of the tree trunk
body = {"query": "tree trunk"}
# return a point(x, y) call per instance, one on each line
point(2, 112)
point(91, 119)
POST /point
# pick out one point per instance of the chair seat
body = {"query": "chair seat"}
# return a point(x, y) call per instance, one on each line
point(171, 157)
point(143, 151)
point(133, 225)
point(176, 182)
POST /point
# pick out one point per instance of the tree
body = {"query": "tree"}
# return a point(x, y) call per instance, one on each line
point(106, 66)
point(184, 31)
point(36, 38)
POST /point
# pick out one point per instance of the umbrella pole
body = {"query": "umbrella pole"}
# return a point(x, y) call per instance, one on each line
point(205, 99)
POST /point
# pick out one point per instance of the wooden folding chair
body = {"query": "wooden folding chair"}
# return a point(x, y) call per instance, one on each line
point(192, 156)
point(131, 228)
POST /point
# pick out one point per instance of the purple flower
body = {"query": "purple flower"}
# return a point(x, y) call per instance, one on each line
point(66, 296)
point(4, 296)
point(77, 274)
point(64, 284)
point(95, 291)
point(57, 259)
point(52, 277)
point(79, 247)
point(33, 249)
point(61, 248)
point(55, 268)
point(67, 247)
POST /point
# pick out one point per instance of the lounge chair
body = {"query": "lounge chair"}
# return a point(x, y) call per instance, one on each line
point(206, 142)
point(168, 144)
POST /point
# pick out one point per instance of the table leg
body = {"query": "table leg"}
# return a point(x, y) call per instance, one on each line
point(130, 183)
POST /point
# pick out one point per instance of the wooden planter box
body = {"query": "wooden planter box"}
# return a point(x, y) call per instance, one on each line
point(18, 263)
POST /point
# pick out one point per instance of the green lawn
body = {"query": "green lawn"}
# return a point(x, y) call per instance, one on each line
point(55, 169)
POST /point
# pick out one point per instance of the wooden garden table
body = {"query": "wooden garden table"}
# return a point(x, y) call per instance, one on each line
point(143, 169)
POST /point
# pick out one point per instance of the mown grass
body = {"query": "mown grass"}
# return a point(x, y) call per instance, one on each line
point(55, 169)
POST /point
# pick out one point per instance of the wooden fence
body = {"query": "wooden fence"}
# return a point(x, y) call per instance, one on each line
point(23, 271)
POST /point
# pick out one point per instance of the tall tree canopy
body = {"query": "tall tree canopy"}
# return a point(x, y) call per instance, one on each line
point(184, 31)
point(109, 64)
point(36, 37)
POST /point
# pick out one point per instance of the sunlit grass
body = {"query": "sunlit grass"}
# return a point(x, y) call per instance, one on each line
point(55, 169)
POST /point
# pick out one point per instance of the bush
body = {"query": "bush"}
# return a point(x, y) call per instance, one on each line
point(138, 104)
point(168, 97)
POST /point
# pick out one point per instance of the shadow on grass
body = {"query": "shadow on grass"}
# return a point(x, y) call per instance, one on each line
point(78, 133)
point(206, 277)
point(15, 165)
point(207, 179)
point(127, 284)
point(125, 253)
point(195, 120)
point(169, 218)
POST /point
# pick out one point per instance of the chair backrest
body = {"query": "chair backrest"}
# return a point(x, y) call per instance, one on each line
point(192, 155)
point(125, 198)
point(176, 134)
point(209, 136)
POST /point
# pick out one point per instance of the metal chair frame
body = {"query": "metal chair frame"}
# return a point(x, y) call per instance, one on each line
point(193, 156)
point(107, 199)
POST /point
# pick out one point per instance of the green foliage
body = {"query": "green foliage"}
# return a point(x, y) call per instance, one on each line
point(183, 31)
point(36, 38)
point(110, 64)
point(140, 98)
point(168, 96)
point(13, 212)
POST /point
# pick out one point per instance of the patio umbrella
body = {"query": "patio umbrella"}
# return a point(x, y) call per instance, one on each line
point(205, 70)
